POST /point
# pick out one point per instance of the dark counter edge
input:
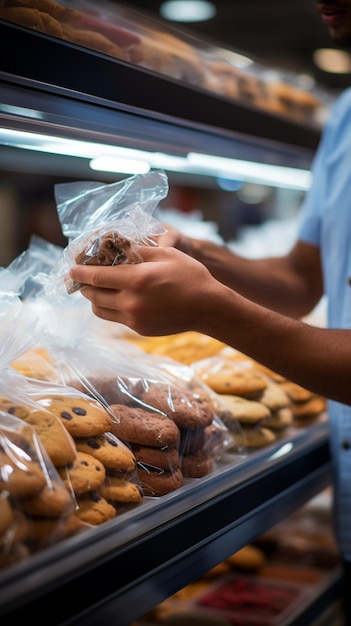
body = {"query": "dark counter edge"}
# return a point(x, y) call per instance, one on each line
point(53, 62)
point(182, 539)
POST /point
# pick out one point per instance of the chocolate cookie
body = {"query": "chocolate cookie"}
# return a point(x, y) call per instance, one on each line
point(255, 436)
point(186, 410)
point(14, 408)
point(234, 377)
point(164, 458)
point(35, 364)
point(118, 489)
point(20, 477)
point(136, 425)
point(109, 450)
point(110, 388)
point(280, 419)
point(159, 483)
point(295, 392)
point(310, 408)
point(197, 465)
point(109, 248)
point(191, 440)
point(81, 416)
point(93, 508)
point(85, 474)
point(55, 438)
point(45, 532)
point(53, 500)
point(236, 409)
point(274, 397)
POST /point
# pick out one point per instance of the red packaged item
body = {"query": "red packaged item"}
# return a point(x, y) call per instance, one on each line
point(249, 601)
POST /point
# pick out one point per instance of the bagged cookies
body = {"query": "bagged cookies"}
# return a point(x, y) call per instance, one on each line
point(36, 510)
point(105, 224)
point(164, 413)
point(246, 396)
point(159, 421)
point(73, 428)
point(160, 410)
point(114, 380)
point(17, 336)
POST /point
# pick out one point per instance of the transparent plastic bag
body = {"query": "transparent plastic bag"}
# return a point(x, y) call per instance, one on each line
point(105, 224)
point(36, 509)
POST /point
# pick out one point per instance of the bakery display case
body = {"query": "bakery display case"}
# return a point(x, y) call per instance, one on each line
point(269, 582)
point(125, 567)
point(62, 104)
point(142, 40)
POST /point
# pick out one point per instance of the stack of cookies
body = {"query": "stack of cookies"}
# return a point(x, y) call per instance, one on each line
point(170, 432)
point(36, 510)
point(193, 416)
point(154, 440)
point(100, 460)
point(91, 462)
point(170, 429)
point(246, 398)
point(263, 402)
point(306, 406)
point(201, 353)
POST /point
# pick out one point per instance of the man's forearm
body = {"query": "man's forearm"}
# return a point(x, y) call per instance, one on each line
point(269, 281)
point(316, 358)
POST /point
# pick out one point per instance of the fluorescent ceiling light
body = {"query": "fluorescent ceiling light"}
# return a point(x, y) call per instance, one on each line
point(123, 166)
point(187, 10)
point(249, 171)
point(332, 61)
point(61, 145)
point(116, 159)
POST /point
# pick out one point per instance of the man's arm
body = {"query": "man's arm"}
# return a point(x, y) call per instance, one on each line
point(290, 284)
point(169, 292)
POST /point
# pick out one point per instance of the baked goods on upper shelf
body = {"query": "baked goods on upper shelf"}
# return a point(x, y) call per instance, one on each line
point(148, 42)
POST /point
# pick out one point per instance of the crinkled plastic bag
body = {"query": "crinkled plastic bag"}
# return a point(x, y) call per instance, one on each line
point(36, 509)
point(105, 224)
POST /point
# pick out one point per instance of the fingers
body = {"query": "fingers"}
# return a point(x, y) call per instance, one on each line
point(92, 275)
point(141, 296)
point(170, 238)
point(117, 276)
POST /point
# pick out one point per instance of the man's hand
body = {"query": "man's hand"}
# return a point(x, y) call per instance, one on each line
point(166, 293)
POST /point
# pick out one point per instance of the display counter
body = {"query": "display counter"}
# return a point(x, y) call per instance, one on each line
point(115, 573)
point(125, 567)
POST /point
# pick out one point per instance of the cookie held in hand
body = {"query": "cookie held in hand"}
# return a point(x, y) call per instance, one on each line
point(109, 248)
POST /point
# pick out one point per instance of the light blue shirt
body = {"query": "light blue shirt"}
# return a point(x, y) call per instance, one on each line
point(325, 221)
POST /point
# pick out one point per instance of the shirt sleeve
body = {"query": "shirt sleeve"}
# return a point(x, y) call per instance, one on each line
point(309, 226)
